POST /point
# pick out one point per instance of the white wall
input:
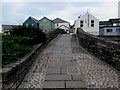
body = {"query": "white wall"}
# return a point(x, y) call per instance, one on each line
point(65, 28)
point(114, 32)
point(59, 24)
point(86, 28)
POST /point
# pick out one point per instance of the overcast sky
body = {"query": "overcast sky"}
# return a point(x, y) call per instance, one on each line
point(16, 12)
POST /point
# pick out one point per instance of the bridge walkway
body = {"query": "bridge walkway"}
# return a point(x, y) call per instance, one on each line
point(64, 64)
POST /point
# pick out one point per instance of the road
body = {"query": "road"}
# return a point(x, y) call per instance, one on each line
point(64, 64)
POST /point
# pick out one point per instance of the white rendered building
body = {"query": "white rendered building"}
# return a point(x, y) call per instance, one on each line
point(88, 23)
point(110, 31)
point(61, 24)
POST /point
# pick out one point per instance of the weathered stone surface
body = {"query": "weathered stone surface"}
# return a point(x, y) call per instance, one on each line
point(12, 74)
point(75, 84)
point(55, 63)
point(72, 70)
point(22, 85)
point(77, 77)
point(78, 68)
point(54, 84)
point(105, 49)
point(62, 51)
point(96, 73)
point(64, 71)
point(58, 77)
point(69, 63)
point(53, 71)
point(26, 79)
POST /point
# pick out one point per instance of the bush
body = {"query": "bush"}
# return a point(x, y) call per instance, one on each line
point(32, 34)
point(12, 51)
point(20, 42)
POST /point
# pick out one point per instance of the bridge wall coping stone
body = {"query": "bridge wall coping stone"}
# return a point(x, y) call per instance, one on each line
point(13, 74)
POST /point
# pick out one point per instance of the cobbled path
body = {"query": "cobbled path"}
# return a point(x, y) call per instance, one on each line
point(37, 72)
point(96, 73)
point(64, 64)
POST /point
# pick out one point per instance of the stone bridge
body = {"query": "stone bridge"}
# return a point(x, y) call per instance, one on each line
point(64, 64)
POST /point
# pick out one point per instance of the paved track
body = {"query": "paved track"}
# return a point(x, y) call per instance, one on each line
point(63, 64)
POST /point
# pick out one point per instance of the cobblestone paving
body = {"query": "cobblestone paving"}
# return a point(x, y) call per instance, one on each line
point(97, 74)
point(64, 64)
point(37, 72)
point(62, 70)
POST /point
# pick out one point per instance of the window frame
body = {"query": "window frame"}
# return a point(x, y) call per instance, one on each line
point(109, 30)
point(81, 23)
point(93, 23)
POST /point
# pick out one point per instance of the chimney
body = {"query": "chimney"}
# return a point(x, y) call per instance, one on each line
point(79, 16)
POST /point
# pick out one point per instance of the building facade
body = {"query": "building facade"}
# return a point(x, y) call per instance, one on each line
point(110, 31)
point(58, 22)
point(31, 21)
point(115, 21)
point(105, 23)
point(88, 23)
point(61, 24)
point(46, 24)
point(7, 28)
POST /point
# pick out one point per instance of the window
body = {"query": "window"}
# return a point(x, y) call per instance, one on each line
point(92, 23)
point(114, 24)
point(37, 25)
point(26, 24)
point(109, 30)
point(57, 24)
point(118, 30)
point(32, 24)
point(81, 23)
point(44, 21)
point(67, 30)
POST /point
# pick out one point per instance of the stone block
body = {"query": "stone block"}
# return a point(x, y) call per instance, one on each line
point(72, 70)
point(22, 85)
point(54, 84)
point(75, 84)
point(58, 77)
point(55, 63)
point(77, 77)
point(63, 70)
point(53, 71)
point(69, 63)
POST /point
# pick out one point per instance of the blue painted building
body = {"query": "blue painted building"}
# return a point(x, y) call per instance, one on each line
point(31, 21)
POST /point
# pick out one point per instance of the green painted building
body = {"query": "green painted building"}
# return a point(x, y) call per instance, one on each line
point(46, 24)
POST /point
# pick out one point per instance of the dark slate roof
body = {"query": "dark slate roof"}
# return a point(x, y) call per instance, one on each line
point(58, 20)
point(64, 26)
point(34, 19)
point(110, 26)
point(46, 18)
point(105, 23)
point(115, 20)
point(7, 27)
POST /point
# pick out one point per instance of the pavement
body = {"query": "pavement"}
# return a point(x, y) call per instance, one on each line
point(64, 64)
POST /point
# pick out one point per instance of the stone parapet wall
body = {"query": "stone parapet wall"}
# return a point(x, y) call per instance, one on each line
point(105, 49)
point(13, 74)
